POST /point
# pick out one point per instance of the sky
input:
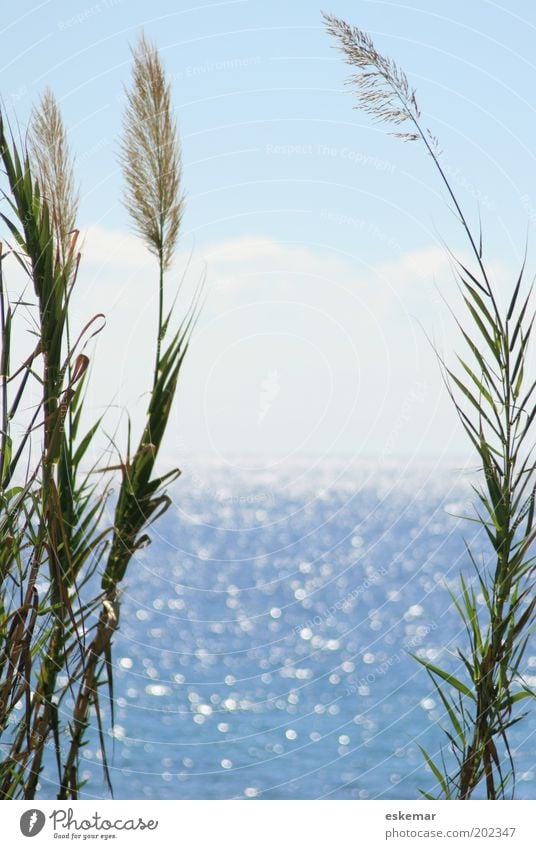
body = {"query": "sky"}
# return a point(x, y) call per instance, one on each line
point(322, 240)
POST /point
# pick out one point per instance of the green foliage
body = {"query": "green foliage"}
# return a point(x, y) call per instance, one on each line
point(56, 624)
point(496, 403)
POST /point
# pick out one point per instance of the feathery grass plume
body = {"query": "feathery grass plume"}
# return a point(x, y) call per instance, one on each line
point(150, 155)
point(151, 165)
point(48, 520)
point(496, 403)
point(151, 160)
point(383, 89)
point(56, 624)
point(384, 92)
point(53, 163)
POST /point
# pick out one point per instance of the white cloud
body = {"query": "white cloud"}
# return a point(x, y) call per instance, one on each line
point(417, 268)
point(113, 248)
point(240, 256)
point(342, 337)
point(246, 265)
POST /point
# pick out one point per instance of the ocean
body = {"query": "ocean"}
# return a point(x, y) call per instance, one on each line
point(267, 633)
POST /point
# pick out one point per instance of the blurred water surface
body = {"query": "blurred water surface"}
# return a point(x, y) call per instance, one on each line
point(265, 640)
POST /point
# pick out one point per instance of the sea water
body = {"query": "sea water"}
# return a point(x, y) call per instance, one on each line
point(267, 633)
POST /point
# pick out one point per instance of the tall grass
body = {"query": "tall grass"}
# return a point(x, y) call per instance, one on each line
point(494, 394)
point(56, 629)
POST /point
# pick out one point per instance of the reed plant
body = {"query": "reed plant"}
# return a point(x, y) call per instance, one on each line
point(494, 393)
point(62, 564)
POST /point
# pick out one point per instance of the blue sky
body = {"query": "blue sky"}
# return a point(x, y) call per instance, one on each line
point(321, 238)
